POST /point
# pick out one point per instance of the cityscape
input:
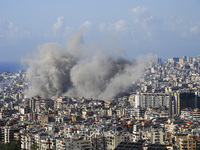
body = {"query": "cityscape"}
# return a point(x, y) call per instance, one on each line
point(100, 75)
point(161, 111)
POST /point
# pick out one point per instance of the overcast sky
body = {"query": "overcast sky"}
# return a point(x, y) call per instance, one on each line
point(164, 28)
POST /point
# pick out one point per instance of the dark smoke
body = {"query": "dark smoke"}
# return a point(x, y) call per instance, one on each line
point(55, 72)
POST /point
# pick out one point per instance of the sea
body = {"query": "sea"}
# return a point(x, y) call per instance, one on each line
point(11, 66)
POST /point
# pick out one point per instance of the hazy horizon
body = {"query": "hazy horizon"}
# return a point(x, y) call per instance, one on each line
point(162, 28)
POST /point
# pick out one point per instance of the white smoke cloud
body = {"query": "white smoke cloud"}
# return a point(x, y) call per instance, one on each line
point(194, 29)
point(87, 24)
point(119, 25)
point(9, 30)
point(138, 10)
point(55, 71)
point(59, 24)
point(139, 14)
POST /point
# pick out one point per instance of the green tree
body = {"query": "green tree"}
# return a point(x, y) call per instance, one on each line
point(34, 146)
point(14, 145)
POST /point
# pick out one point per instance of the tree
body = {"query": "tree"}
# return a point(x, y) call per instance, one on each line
point(14, 145)
point(34, 146)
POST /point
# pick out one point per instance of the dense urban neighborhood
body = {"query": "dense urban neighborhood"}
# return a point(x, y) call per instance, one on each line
point(162, 111)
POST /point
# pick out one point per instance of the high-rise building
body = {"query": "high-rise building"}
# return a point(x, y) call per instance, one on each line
point(157, 135)
point(198, 57)
point(113, 139)
point(154, 100)
point(181, 61)
point(159, 60)
point(32, 103)
point(184, 58)
point(186, 141)
point(6, 134)
point(186, 99)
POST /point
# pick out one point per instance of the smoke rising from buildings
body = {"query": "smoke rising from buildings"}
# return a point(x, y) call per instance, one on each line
point(54, 71)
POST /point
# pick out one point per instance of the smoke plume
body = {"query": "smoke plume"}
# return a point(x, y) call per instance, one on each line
point(55, 71)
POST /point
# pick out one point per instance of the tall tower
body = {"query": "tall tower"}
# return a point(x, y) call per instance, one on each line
point(184, 100)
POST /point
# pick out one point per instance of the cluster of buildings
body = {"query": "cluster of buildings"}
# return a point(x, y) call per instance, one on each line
point(163, 112)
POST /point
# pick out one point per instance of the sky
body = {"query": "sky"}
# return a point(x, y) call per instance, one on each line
point(138, 27)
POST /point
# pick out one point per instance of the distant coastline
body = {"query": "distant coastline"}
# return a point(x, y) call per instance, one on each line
point(10, 66)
